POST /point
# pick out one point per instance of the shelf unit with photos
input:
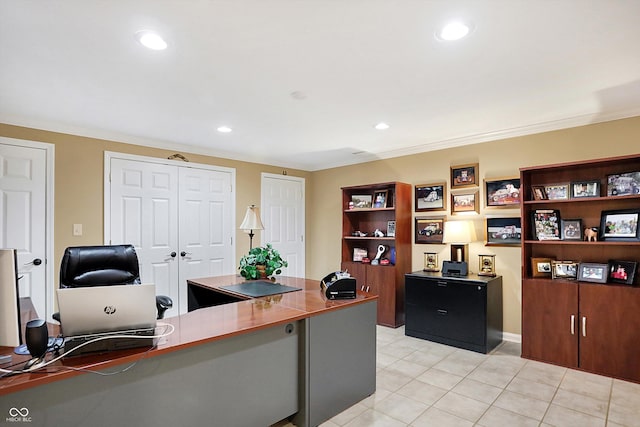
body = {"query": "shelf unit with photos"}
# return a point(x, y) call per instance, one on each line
point(386, 281)
point(589, 326)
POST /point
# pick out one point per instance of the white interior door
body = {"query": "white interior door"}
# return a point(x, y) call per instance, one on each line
point(283, 218)
point(25, 206)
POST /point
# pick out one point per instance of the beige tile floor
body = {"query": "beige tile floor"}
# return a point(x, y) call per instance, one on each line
point(421, 383)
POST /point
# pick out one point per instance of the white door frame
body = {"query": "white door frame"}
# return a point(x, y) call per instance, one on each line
point(49, 218)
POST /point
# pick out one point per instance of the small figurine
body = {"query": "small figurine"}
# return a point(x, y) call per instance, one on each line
point(378, 233)
point(591, 234)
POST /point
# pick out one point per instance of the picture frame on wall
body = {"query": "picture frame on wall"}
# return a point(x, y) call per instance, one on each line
point(541, 267)
point(429, 230)
point(467, 202)
point(620, 225)
point(585, 189)
point(622, 271)
point(593, 272)
point(502, 192)
point(503, 231)
point(464, 176)
point(431, 197)
point(571, 229)
point(546, 224)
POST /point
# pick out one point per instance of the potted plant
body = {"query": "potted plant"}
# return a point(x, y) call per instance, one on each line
point(261, 263)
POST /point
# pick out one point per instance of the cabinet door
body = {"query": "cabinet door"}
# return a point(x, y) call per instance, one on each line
point(549, 321)
point(609, 330)
point(382, 280)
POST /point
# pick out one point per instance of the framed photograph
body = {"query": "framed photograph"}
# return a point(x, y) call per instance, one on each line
point(391, 229)
point(585, 189)
point(431, 197)
point(591, 272)
point(429, 230)
point(541, 267)
point(503, 231)
point(557, 191)
point(464, 203)
point(622, 271)
point(464, 176)
point(546, 224)
point(359, 254)
point(571, 229)
point(380, 199)
point(623, 184)
point(620, 225)
point(564, 270)
point(539, 192)
point(502, 192)
point(360, 201)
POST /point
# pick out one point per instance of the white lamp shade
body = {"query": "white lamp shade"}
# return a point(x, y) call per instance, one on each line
point(458, 232)
point(251, 219)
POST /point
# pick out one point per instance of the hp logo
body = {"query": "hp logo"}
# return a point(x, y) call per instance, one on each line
point(109, 309)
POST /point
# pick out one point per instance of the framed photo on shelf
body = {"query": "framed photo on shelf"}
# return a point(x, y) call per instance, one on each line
point(623, 184)
point(464, 176)
point(571, 229)
point(464, 203)
point(431, 197)
point(620, 225)
point(429, 230)
point(564, 270)
point(557, 191)
point(502, 192)
point(622, 271)
point(591, 272)
point(546, 224)
point(503, 231)
point(539, 192)
point(585, 189)
point(541, 267)
point(359, 254)
point(360, 201)
point(391, 229)
point(380, 199)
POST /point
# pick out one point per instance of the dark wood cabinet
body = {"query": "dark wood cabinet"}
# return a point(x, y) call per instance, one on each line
point(464, 312)
point(386, 281)
point(589, 326)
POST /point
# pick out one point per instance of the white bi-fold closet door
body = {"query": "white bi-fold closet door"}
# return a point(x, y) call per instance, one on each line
point(179, 216)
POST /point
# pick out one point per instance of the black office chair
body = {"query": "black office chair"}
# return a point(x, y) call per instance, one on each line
point(84, 266)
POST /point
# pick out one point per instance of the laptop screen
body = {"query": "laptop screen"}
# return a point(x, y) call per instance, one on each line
point(99, 309)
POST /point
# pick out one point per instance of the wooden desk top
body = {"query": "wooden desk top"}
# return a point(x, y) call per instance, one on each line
point(194, 328)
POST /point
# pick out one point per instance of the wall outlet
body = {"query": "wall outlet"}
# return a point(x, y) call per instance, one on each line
point(77, 229)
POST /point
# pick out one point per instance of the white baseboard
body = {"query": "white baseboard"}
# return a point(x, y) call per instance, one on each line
point(507, 336)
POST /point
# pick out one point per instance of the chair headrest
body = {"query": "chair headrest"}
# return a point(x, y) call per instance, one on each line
point(83, 266)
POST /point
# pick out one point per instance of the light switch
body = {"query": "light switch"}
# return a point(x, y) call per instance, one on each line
point(77, 229)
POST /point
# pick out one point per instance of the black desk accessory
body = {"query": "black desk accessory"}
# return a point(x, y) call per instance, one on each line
point(455, 268)
point(339, 285)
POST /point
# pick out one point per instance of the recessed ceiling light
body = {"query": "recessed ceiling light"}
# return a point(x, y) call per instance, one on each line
point(224, 129)
point(151, 40)
point(382, 126)
point(453, 31)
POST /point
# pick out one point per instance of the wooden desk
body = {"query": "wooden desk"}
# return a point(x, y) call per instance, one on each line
point(250, 362)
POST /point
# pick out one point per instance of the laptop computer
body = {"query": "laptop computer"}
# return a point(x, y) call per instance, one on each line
point(102, 311)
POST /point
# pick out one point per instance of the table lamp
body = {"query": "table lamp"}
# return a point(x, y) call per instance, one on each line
point(251, 222)
point(459, 234)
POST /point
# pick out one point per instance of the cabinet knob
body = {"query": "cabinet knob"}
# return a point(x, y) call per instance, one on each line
point(443, 312)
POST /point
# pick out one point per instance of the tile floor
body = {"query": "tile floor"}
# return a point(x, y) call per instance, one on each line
point(421, 383)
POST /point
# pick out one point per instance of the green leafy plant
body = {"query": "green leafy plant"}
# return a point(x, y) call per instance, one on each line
point(261, 256)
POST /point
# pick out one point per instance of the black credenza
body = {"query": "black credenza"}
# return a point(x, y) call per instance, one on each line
point(464, 312)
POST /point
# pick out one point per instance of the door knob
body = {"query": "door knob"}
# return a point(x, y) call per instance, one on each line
point(36, 262)
point(173, 254)
point(183, 253)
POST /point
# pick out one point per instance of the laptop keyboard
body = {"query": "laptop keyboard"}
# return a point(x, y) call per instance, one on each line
point(80, 347)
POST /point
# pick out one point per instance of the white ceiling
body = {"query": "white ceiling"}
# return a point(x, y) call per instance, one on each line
point(529, 66)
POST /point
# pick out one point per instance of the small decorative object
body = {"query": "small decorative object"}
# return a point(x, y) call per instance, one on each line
point(564, 270)
point(360, 201)
point(430, 261)
point(591, 234)
point(623, 184)
point(502, 192)
point(622, 271)
point(429, 230)
point(487, 265)
point(359, 233)
point(464, 176)
point(465, 203)
point(380, 199)
point(539, 192)
point(541, 267)
point(547, 224)
point(557, 191)
point(261, 259)
point(359, 254)
point(620, 225)
point(366, 260)
point(391, 228)
point(381, 249)
point(378, 233)
point(431, 197)
point(571, 229)
point(503, 231)
point(585, 189)
point(591, 272)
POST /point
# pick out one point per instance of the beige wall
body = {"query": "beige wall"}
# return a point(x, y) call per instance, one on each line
point(79, 188)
